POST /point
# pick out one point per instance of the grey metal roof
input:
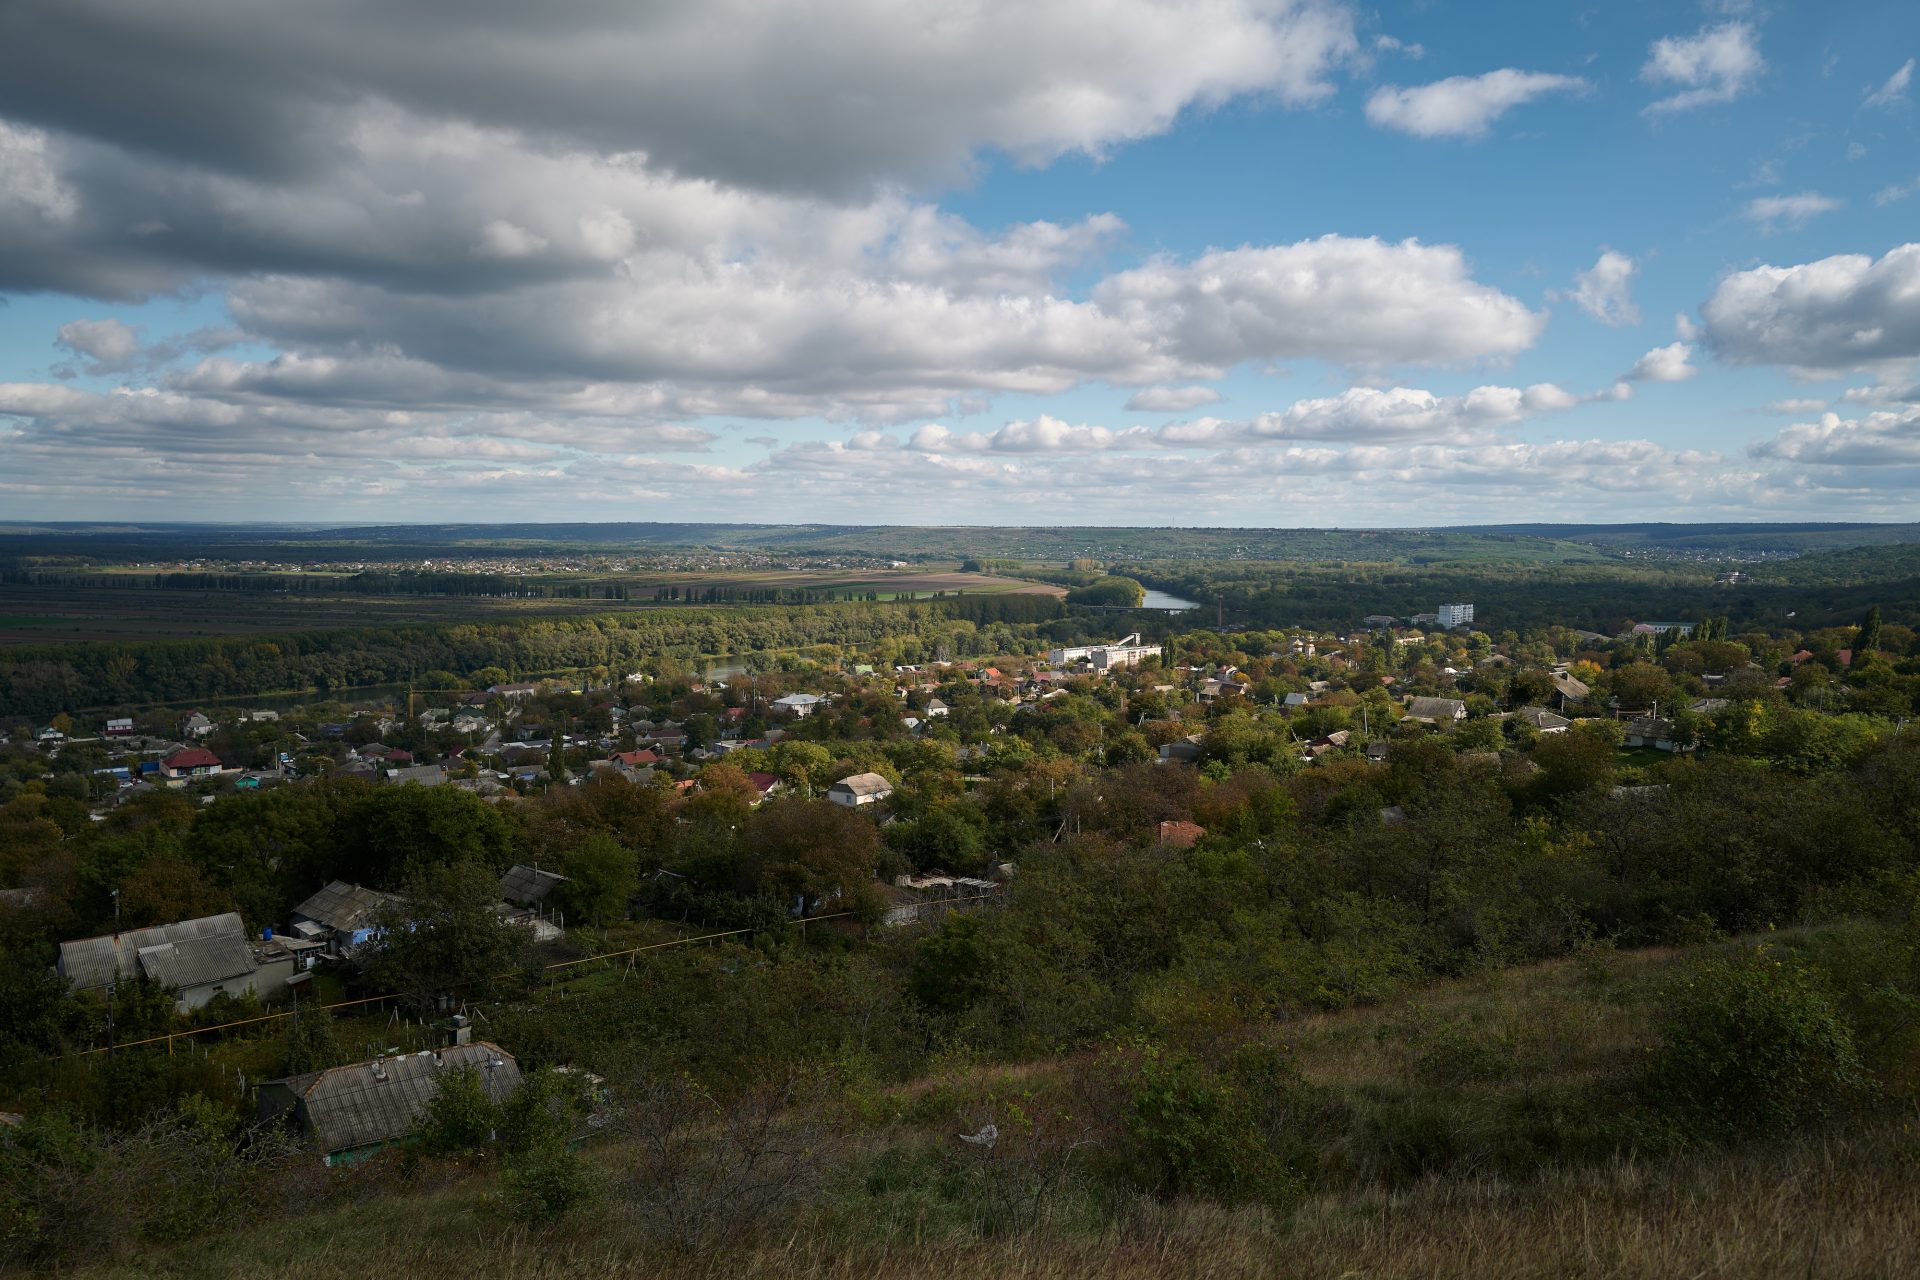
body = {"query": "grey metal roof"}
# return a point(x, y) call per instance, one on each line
point(525, 885)
point(369, 1102)
point(864, 784)
point(94, 962)
point(341, 905)
point(1434, 708)
point(199, 961)
point(1541, 718)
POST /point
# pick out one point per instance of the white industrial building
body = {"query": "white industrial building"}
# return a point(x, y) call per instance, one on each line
point(1125, 652)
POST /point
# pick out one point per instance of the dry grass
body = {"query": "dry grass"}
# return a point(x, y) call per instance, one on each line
point(1841, 1203)
point(1827, 1207)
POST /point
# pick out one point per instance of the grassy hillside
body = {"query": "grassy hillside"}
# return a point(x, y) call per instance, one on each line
point(1490, 1127)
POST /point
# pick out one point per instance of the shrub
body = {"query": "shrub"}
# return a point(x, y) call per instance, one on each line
point(1752, 1046)
point(545, 1182)
point(460, 1116)
point(1201, 1131)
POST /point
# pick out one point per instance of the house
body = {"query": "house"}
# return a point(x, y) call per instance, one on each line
point(341, 916)
point(1652, 731)
point(860, 789)
point(353, 1111)
point(1180, 834)
point(642, 759)
point(1680, 629)
point(190, 762)
point(1183, 750)
point(120, 726)
point(199, 959)
point(426, 775)
point(1543, 720)
point(526, 886)
point(1294, 701)
point(197, 725)
point(1377, 621)
point(1332, 742)
point(1569, 689)
point(1454, 615)
point(513, 692)
point(798, 704)
point(1437, 710)
point(935, 707)
point(1376, 753)
point(764, 783)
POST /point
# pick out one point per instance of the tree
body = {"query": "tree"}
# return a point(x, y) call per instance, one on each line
point(810, 851)
point(1867, 641)
point(393, 833)
point(602, 877)
point(312, 1044)
point(445, 936)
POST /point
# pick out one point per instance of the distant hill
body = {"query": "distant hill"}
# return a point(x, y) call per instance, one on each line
point(1532, 543)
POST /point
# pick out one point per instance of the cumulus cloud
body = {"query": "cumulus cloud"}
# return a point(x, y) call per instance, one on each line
point(1664, 364)
point(1833, 315)
point(1374, 415)
point(1886, 438)
point(101, 346)
point(1769, 213)
point(1171, 399)
point(1716, 64)
point(104, 347)
point(1355, 302)
point(1892, 93)
point(829, 96)
point(1604, 290)
point(1462, 106)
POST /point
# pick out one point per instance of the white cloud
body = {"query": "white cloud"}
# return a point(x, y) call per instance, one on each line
point(1797, 406)
point(1664, 364)
point(1462, 106)
point(1043, 434)
point(1769, 213)
point(1836, 314)
point(1171, 399)
point(103, 346)
point(1717, 64)
point(1893, 93)
point(1881, 439)
point(1358, 303)
point(1895, 192)
point(1604, 290)
point(1374, 415)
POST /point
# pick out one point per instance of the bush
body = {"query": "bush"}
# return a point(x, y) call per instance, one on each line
point(1752, 1046)
point(460, 1116)
point(1203, 1131)
point(544, 1183)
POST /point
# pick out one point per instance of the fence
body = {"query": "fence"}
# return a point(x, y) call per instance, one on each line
point(630, 953)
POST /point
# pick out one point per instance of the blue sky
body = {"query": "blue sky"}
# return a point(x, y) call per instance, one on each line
point(1264, 262)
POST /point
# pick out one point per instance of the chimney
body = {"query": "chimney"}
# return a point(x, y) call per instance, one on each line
point(459, 1031)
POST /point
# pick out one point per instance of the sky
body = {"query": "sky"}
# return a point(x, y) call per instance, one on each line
point(1229, 262)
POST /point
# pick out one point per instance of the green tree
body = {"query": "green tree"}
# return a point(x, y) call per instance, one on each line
point(312, 1043)
point(445, 936)
point(1867, 640)
point(602, 877)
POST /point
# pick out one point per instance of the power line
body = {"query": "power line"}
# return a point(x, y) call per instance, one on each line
point(189, 1032)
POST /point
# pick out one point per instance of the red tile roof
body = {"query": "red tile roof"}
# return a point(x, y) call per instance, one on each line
point(192, 758)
